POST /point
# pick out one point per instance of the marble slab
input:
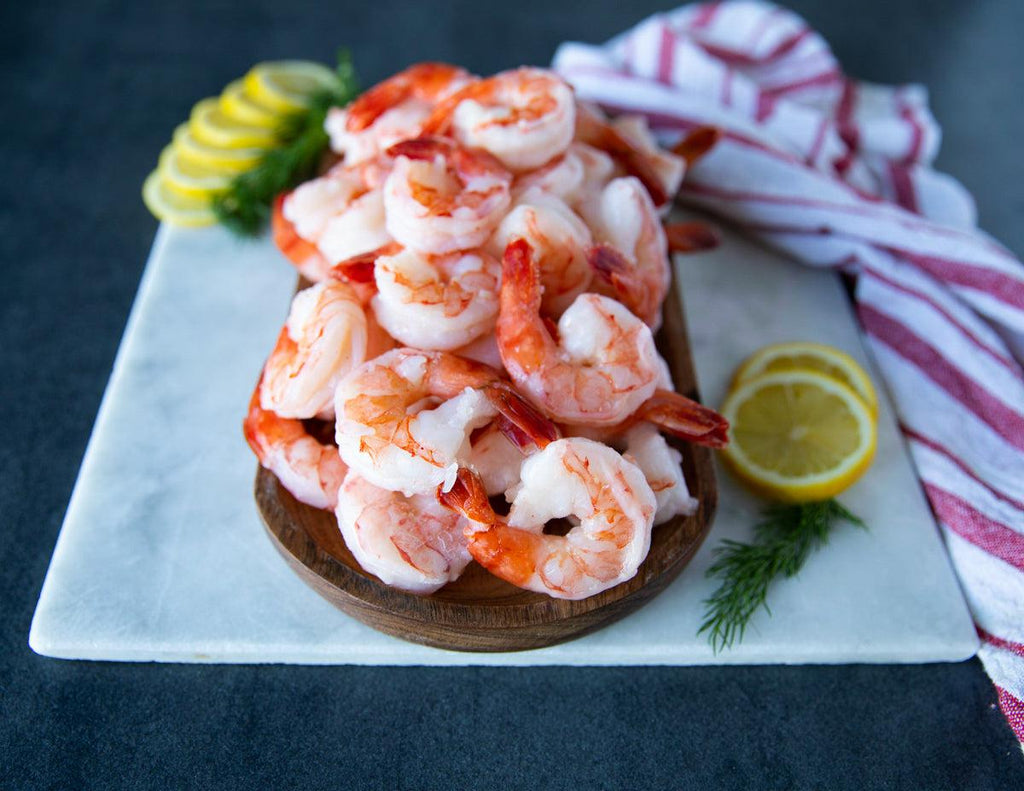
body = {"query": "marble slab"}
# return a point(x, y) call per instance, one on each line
point(162, 556)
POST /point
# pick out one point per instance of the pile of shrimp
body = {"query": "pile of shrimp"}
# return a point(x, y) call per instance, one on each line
point(473, 357)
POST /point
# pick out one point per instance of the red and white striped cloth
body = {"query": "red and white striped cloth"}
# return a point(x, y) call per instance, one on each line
point(837, 173)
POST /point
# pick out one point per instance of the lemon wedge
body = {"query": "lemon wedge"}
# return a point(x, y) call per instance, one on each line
point(190, 180)
point(285, 86)
point(172, 208)
point(798, 435)
point(814, 356)
point(195, 152)
point(210, 125)
point(237, 105)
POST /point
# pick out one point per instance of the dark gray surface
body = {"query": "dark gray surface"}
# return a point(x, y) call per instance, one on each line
point(88, 99)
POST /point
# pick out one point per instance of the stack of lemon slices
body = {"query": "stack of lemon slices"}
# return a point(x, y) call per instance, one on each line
point(803, 422)
point(227, 135)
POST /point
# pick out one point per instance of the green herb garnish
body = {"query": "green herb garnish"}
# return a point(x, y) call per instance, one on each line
point(245, 206)
point(783, 539)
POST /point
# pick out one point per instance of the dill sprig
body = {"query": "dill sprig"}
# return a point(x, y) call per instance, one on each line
point(783, 539)
point(245, 206)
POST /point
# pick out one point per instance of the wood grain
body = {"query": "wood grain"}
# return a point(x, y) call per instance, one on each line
point(479, 612)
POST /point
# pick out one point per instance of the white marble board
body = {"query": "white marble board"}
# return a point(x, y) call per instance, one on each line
point(162, 556)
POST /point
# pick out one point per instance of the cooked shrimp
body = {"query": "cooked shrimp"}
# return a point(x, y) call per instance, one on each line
point(559, 239)
point(404, 418)
point(324, 338)
point(342, 213)
point(441, 197)
point(666, 166)
point(645, 162)
point(524, 117)
point(603, 365)
point(309, 469)
point(583, 170)
point(623, 217)
point(392, 110)
point(574, 478)
point(661, 465)
point(484, 350)
point(437, 302)
point(495, 458)
point(413, 543)
point(303, 254)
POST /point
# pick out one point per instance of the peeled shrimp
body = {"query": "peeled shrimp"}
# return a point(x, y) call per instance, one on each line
point(524, 117)
point(574, 478)
point(324, 338)
point(559, 239)
point(661, 466)
point(495, 458)
point(342, 213)
point(309, 469)
point(391, 111)
point(623, 217)
point(404, 418)
point(601, 368)
point(581, 171)
point(441, 302)
point(440, 197)
point(413, 543)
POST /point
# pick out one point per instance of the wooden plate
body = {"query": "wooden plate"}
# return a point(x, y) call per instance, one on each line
point(479, 612)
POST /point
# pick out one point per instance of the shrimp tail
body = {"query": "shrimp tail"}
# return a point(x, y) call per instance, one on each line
point(691, 237)
point(594, 131)
point(686, 419)
point(468, 497)
point(520, 296)
point(697, 143)
point(424, 148)
point(519, 420)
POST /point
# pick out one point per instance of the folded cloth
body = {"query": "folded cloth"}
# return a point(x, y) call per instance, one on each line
point(838, 173)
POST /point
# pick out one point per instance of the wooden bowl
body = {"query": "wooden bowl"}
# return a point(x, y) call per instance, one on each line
point(479, 612)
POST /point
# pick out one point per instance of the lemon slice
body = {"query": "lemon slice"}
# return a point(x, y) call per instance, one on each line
point(814, 356)
point(209, 125)
point(190, 180)
point(285, 86)
point(237, 105)
point(798, 435)
point(199, 154)
point(172, 208)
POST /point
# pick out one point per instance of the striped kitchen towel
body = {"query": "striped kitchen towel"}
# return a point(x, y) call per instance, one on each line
point(837, 173)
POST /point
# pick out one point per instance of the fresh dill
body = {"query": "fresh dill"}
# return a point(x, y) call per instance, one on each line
point(245, 207)
point(783, 539)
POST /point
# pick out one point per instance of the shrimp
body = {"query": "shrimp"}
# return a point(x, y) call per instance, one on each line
point(341, 213)
point(625, 221)
point(303, 254)
point(602, 367)
point(413, 543)
point(582, 171)
point(310, 470)
point(560, 240)
point(575, 478)
point(495, 458)
point(404, 418)
point(661, 465)
point(437, 302)
point(524, 117)
point(440, 197)
point(326, 335)
point(391, 111)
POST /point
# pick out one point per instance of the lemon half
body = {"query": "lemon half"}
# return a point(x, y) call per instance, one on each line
point(798, 435)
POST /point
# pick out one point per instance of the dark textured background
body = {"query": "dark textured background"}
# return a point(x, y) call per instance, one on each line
point(88, 96)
